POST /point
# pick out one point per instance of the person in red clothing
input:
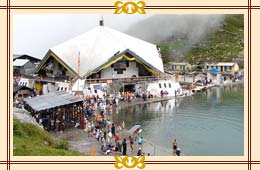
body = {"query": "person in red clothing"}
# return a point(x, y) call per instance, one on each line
point(131, 139)
point(117, 138)
point(118, 145)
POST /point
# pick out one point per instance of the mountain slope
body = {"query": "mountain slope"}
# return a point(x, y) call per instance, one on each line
point(194, 38)
point(223, 45)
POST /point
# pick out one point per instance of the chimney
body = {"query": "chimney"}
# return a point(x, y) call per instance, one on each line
point(101, 22)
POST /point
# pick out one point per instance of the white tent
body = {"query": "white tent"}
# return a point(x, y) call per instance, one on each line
point(20, 62)
point(100, 44)
point(78, 85)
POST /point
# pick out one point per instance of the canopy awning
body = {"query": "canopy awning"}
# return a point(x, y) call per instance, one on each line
point(17, 88)
point(213, 70)
point(134, 128)
point(52, 100)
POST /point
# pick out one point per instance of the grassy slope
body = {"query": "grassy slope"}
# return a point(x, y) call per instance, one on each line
point(29, 140)
point(225, 44)
point(222, 45)
point(168, 47)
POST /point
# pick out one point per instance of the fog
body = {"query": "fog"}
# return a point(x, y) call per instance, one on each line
point(191, 27)
point(34, 34)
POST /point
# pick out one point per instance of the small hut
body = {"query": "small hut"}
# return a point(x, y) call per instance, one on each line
point(61, 106)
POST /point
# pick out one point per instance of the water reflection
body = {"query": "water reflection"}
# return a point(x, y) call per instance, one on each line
point(165, 106)
point(209, 123)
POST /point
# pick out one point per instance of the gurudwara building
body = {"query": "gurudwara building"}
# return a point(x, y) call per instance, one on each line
point(102, 53)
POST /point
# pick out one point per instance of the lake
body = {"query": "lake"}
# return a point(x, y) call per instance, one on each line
point(210, 123)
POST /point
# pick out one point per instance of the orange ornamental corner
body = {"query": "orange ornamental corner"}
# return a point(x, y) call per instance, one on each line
point(129, 7)
point(129, 162)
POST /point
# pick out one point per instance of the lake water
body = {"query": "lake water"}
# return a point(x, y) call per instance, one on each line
point(206, 124)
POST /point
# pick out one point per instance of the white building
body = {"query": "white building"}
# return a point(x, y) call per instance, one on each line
point(103, 53)
point(23, 67)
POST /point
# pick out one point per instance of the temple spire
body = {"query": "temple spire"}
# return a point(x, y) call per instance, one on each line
point(101, 21)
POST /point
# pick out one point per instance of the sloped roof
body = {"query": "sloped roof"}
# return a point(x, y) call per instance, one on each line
point(25, 56)
point(221, 64)
point(15, 56)
point(100, 44)
point(179, 64)
point(210, 64)
point(226, 64)
point(20, 62)
point(52, 100)
point(17, 88)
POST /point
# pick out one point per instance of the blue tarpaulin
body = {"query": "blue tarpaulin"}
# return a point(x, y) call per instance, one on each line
point(213, 70)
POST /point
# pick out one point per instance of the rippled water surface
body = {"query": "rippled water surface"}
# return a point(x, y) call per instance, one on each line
point(209, 123)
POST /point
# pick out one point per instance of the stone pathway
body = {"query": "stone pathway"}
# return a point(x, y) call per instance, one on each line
point(79, 141)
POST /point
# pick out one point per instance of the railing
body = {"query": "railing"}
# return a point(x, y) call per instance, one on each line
point(99, 80)
point(156, 150)
point(126, 80)
point(46, 79)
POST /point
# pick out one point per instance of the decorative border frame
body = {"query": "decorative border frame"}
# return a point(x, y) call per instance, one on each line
point(8, 8)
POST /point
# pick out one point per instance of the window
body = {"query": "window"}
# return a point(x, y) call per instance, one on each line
point(58, 89)
point(120, 71)
point(170, 86)
point(65, 89)
point(61, 89)
point(160, 86)
point(164, 85)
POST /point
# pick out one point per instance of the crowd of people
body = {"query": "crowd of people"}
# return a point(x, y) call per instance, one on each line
point(97, 106)
point(99, 125)
point(95, 117)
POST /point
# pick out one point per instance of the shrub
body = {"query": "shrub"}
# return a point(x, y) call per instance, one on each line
point(17, 129)
point(62, 145)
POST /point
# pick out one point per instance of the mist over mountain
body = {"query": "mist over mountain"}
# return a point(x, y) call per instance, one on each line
point(161, 27)
point(193, 37)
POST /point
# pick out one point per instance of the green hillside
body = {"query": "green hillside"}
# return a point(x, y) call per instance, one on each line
point(224, 44)
point(174, 50)
point(30, 140)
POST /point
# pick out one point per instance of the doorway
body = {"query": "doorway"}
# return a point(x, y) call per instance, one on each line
point(129, 87)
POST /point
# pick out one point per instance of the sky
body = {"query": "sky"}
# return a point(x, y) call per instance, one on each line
point(35, 34)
